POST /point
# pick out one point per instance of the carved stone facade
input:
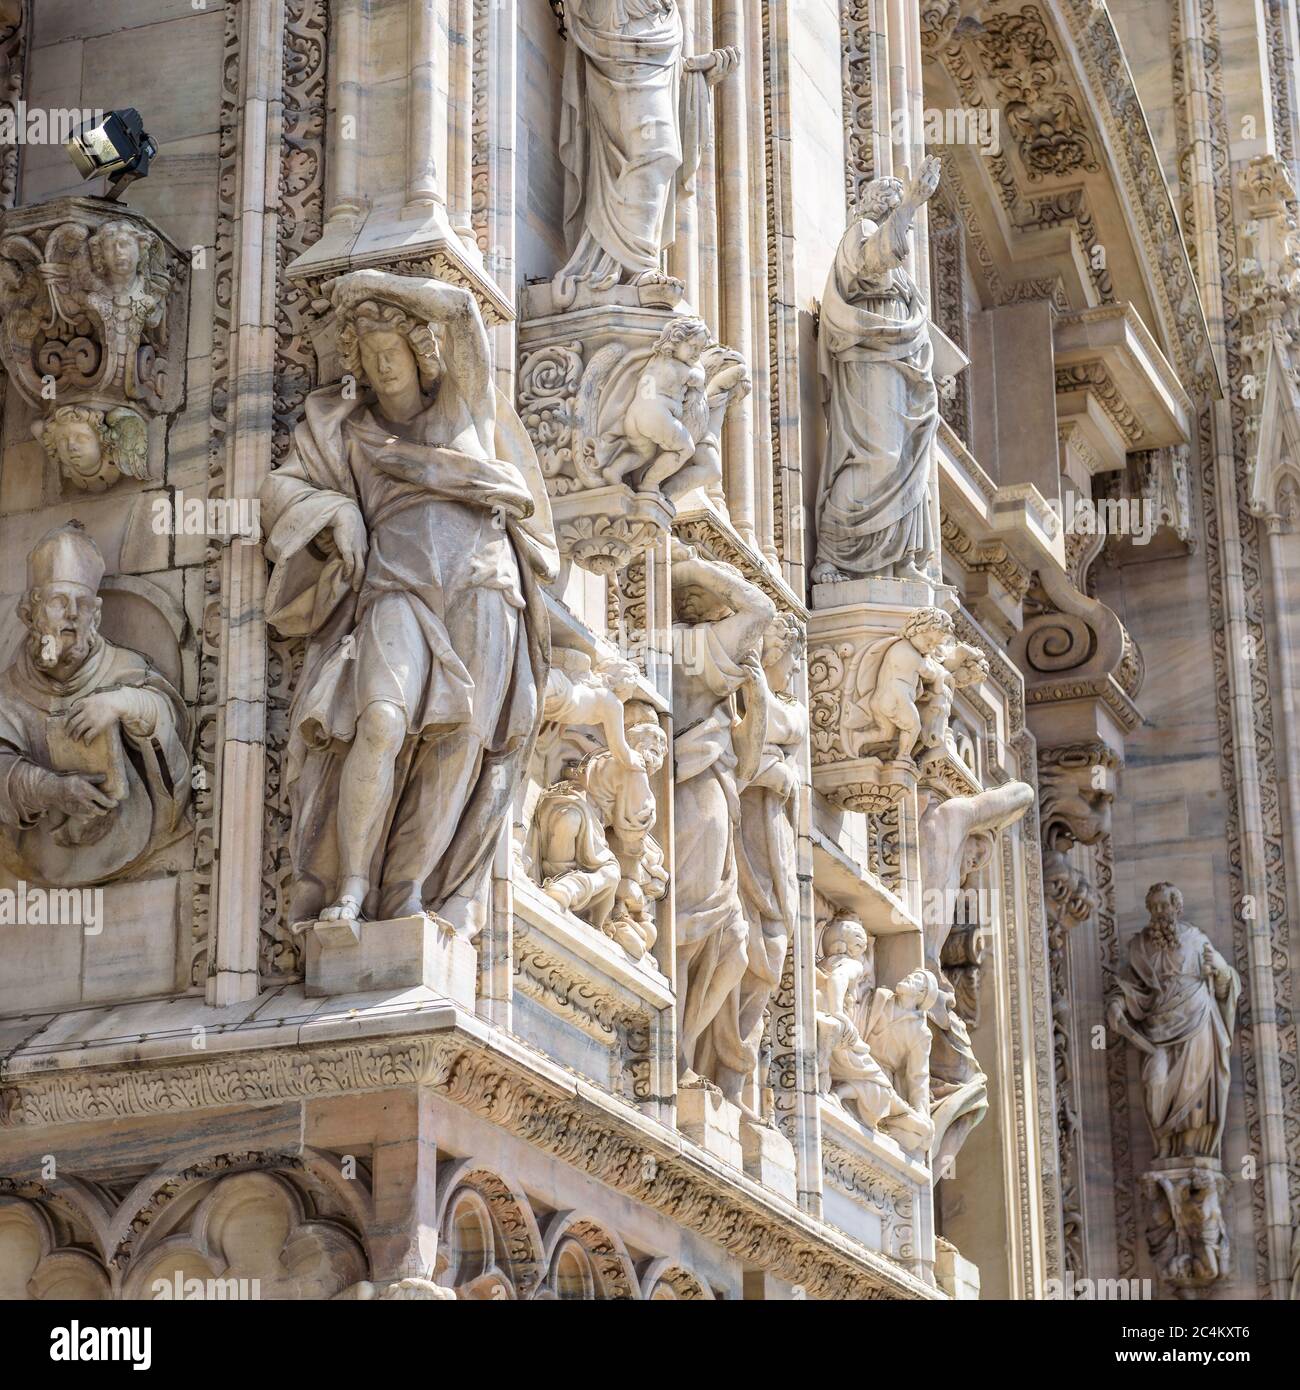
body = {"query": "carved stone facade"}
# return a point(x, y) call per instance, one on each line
point(573, 729)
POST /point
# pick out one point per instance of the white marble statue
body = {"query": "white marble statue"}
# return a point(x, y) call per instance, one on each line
point(890, 683)
point(766, 845)
point(963, 665)
point(94, 767)
point(590, 845)
point(958, 1086)
point(957, 838)
point(1177, 1006)
point(876, 356)
point(853, 1018)
point(672, 428)
point(717, 643)
point(409, 530)
point(636, 117)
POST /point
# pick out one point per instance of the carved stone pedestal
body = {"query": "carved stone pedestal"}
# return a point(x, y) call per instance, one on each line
point(768, 1158)
point(875, 1192)
point(403, 953)
point(1187, 1232)
point(955, 1274)
point(707, 1118)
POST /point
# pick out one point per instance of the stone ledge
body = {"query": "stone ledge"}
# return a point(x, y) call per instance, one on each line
point(490, 1074)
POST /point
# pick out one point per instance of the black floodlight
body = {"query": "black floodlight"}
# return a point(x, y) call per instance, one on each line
point(116, 147)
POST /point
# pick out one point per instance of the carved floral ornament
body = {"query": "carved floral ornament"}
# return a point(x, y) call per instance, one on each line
point(92, 314)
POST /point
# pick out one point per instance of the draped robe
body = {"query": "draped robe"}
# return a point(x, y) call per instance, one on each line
point(1185, 1081)
point(633, 122)
point(449, 625)
point(876, 358)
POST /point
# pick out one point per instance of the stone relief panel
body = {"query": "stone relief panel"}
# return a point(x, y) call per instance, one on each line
point(626, 408)
point(93, 738)
point(92, 334)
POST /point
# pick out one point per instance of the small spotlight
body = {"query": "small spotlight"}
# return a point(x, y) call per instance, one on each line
point(116, 147)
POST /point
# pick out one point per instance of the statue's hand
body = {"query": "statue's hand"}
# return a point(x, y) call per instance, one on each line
point(927, 181)
point(93, 715)
point(717, 65)
point(76, 795)
point(350, 540)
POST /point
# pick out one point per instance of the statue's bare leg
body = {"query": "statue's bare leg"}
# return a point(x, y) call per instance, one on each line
point(365, 796)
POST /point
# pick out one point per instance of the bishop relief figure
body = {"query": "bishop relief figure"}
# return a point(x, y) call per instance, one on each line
point(409, 530)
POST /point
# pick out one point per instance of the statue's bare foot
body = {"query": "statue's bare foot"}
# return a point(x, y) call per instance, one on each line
point(908, 570)
point(346, 909)
point(692, 1081)
point(652, 277)
point(826, 573)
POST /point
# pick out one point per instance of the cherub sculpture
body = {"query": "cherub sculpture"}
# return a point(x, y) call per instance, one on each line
point(888, 685)
point(672, 425)
point(963, 665)
point(94, 448)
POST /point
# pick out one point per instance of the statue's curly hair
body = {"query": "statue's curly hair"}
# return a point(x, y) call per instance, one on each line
point(1170, 888)
point(927, 620)
point(95, 246)
point(872, 203)
point(783, 634)
point(372, 316)
point(681, 330)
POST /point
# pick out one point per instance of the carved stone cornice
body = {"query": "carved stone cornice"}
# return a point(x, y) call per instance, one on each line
point(986, 557)
point(522, 1092)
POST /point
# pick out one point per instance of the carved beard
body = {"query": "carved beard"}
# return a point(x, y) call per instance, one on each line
point(1164, 934)
point(70, 648)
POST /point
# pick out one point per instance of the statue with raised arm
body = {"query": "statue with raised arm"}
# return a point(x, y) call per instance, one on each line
point(409, 530)
point(636, 116)
point(717, 644)
point(882, 412)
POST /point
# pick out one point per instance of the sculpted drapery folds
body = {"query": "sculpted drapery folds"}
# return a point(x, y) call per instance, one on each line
point(409, 529)
point(766, 849)
point(94, 768)
point(721, 707)
point(882, 412)
point(1178, 1006)
point(635, 119)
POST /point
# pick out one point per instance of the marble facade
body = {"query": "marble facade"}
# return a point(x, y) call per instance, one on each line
point(621, 620)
